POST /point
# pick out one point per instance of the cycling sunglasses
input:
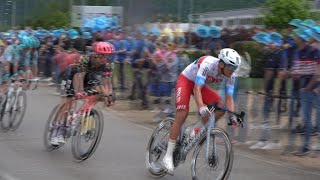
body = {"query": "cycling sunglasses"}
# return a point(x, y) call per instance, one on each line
point(230, 66)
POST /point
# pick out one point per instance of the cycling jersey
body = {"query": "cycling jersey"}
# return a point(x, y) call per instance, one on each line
point(90, 79)
point(34, 58)
point(201, 71)
point(9, 53)
point(85, 65)
point(205, 69)
point(27, 58)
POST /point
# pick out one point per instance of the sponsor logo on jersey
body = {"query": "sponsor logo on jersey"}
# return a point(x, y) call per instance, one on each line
point(212, 79)
point(178, 94)
point(179, 107)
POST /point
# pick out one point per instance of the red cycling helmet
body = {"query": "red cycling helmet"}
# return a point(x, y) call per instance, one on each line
point(103, 48)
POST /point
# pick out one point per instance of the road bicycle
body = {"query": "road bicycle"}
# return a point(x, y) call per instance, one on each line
point(83, 124)
point(13, 102)
point(206, 144)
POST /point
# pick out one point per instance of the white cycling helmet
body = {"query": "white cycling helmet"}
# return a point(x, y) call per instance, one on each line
point(230, 57)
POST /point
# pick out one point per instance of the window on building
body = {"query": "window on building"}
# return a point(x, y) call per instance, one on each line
point(218, 22)
point(258, 21)
point(242, 21)
point(230, 22)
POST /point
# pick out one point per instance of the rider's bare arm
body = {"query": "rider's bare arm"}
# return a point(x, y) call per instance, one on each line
point(78, 80)
point(230, 102)
point(229, 91)
point(198, 96)
point(200, 82)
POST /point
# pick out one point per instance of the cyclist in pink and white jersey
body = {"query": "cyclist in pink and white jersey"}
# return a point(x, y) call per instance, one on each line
point(192, 81)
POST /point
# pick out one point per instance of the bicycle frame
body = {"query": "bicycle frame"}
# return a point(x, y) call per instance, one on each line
point(82, 112)
point(85, 110)
point(205, 129)
point(13, 94)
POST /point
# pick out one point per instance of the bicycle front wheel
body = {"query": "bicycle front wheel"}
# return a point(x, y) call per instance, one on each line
point(157, 148)
point(87, 135)
point(218, 164)
point(51, 127)
point(5, 114)
point(19, 110)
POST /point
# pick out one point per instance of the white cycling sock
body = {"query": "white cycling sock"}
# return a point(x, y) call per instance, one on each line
point(170, 149)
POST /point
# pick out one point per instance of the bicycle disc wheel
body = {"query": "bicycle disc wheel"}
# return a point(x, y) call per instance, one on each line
point(87, 135)
point(157, 148)
point(219, 163)
point(5, 114)
point(19, 111)
point(50, 127)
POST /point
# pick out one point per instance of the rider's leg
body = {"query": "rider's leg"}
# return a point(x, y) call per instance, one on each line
point(28, 72)
point(109, 84)
point(15, 67)
point(210, 97)
point(184, 89)
point(7, 67)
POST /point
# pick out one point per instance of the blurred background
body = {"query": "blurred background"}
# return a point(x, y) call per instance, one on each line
point(276, 83)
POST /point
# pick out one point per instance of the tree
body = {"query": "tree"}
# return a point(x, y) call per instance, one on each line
point(278, 13)
point(52, 14)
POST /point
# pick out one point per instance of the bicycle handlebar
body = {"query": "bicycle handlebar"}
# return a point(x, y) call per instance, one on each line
point(215, 107)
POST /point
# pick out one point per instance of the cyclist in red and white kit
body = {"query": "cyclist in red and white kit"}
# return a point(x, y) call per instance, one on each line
point(192, 81)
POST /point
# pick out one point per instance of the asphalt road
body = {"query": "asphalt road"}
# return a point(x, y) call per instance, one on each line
point(120, 155)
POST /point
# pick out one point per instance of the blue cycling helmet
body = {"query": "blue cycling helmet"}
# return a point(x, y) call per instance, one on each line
point(73, 34)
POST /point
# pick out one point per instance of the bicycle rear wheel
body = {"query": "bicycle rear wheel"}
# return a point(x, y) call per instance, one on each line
point(87, 135)
point(5, 114)
point(220, 151)
point(19, 111)
point(157, 148)
point(50, 126)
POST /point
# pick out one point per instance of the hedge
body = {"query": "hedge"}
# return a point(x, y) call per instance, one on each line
point(254, 49)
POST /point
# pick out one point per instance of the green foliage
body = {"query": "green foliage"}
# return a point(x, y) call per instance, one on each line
point(255, 51)
point(50, 15)
point(4, 28)
point(278, 13)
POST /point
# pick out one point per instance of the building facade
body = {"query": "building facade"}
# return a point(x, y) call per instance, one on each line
point(247, 18)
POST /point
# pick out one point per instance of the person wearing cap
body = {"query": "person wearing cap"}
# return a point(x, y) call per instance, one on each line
point(10, 59)
point(276, 58)
point(140, 65)
point(315, 82)
point(304, 69)
point(120, 44)
point(1, 58)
